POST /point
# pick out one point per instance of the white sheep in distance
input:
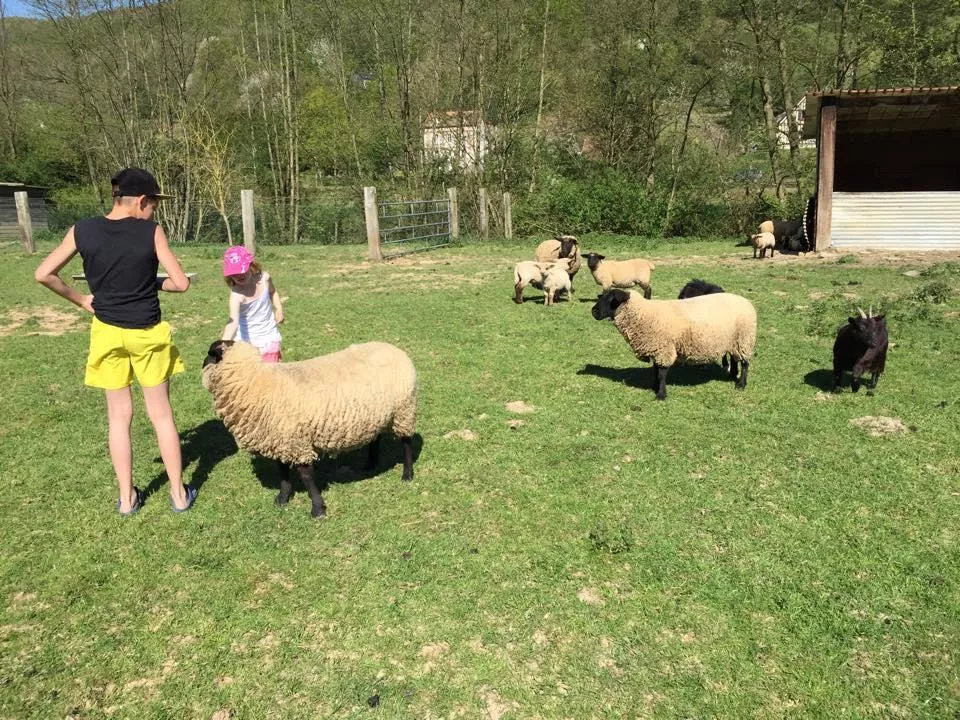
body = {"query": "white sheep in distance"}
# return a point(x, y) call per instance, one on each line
point(763, 241)
point(697, 329)
point(293, 412)
point(555, 281)
point(558, 248)
point(531, 272)
point(622, 274)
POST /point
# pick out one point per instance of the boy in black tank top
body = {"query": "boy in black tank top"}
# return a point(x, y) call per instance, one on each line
point(121, 252)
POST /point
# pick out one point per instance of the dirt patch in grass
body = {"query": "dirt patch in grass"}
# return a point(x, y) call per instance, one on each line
point(41, 320)
point(880, 425)
point(873, 258)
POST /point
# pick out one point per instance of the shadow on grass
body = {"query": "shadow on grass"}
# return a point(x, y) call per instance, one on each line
point(207, 444)
point(643, 377)
point(822, 379)
point(347, 468)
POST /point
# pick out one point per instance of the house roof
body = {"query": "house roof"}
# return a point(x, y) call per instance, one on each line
point(453, 118)
point(886, 110)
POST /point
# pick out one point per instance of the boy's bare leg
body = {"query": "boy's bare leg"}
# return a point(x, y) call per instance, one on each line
point(119, 417)
point(157, 399)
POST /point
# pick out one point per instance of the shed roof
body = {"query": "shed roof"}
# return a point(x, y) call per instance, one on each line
point(887, 110)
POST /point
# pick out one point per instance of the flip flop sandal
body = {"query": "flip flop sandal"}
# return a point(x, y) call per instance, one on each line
point(137, 503)
point(191, 493)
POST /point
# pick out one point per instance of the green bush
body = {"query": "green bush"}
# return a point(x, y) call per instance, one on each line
point(69, 204)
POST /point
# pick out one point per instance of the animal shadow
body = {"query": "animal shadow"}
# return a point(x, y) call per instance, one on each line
point(643, 377)
point(346, 468)
point(822, 379)
point(207, 444)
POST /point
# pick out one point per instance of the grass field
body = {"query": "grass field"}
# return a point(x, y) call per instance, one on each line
point(721, 554)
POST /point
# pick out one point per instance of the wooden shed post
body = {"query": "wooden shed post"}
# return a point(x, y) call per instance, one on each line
point(454, 213)
point(484, 227)
point(826, 153)
point(249, 220)
point(24, 221)
point(507, 217)
point(373, 223)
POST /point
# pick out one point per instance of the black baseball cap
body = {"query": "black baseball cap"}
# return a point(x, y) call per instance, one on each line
point(134, 182)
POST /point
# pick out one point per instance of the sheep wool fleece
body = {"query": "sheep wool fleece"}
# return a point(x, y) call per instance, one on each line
point(700, 329)
point(293, 412)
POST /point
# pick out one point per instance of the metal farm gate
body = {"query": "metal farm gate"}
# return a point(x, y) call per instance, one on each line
point(409, 226)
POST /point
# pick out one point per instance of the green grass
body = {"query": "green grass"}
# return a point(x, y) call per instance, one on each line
point(721, 554)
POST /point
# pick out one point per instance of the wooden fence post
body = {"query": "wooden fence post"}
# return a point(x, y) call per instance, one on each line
point(373, 223)
point(23, 219)
point(484, 228)
point(507, 217)
point(454, 213)
point(249, 220)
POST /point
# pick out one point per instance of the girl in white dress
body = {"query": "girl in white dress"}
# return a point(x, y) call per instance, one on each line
point(255, 306)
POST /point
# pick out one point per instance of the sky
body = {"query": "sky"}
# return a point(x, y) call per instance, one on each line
point(16, 8)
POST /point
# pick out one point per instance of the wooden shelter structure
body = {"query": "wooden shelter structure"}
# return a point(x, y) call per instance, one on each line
point(9, 227)
point(888, 167)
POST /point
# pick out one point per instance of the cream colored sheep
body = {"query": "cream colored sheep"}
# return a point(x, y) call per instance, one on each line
point(562, 246)
point(697, 329)
point(294, 412)
point(763, 241)
point(621, 273)
point(530, 272)
point(555, 281)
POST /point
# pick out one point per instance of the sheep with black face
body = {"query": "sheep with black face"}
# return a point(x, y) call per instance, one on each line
point(861, 346)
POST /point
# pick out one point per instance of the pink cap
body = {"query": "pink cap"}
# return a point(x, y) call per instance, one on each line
point(236, 260)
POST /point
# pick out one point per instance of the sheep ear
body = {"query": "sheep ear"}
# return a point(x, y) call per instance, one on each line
point(852, 321)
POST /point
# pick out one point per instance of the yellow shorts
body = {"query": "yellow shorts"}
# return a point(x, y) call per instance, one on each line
point(117, 354)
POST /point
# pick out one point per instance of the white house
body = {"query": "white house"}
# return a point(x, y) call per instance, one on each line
point(458, 138)
point(783, 127)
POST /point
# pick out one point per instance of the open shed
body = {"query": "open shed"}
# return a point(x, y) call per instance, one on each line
point(888, 167)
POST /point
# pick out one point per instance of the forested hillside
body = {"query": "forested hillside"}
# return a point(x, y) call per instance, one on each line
point(654, 117)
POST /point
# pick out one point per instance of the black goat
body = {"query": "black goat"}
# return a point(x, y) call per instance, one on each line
point(695, 288)
point(861, 346)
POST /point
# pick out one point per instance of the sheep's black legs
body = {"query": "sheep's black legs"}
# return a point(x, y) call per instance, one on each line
point(662, 382)
point(373, 454)
point(733, 368)
point(407, 458)
point(724, 361)
point(655, 385)
point(742, 380)
point(873, 383)
point(286, 487)
point(319, 508)
point(837, 380)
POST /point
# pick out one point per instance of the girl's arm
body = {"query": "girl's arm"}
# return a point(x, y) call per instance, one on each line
point(178, 280)
point(275, 298)
point(48, 272)
point(231, 328)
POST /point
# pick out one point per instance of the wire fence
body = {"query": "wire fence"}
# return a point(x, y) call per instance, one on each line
point(408, 226)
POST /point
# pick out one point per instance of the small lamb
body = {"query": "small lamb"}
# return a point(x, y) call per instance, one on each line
point(556, 280)
point(763, 241)
point(621, 273)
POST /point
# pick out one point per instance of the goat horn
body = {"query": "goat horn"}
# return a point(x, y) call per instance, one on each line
point(862, 314)
point(870, 312)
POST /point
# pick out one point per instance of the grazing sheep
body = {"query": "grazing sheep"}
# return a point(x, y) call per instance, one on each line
point(621, 273)
point(555, 281)
point(861, 346)
point(293, 412)
point(696, 329)
point(763, 241)
point(696, 288)
point(530, 272)
point(786, 233)
point(562, 246)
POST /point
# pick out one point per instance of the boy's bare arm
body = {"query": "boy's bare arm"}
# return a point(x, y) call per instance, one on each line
point(48, 272)
point(178, 280)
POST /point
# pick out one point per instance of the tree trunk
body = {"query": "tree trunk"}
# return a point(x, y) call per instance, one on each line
point(543, 73)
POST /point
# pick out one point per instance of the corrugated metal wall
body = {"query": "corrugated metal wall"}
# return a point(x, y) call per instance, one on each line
point(902, 220)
